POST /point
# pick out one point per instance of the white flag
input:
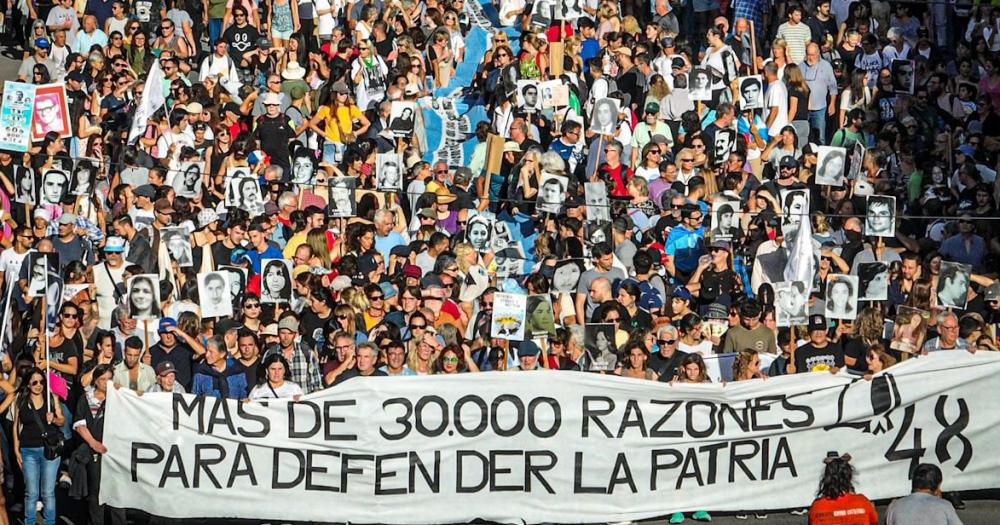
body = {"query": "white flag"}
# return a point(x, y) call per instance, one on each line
point(152, 99)
point(801, 255)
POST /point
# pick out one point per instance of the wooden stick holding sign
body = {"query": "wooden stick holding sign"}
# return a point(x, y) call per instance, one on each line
point(556, 52)
point(494, 154)
point(753, 47)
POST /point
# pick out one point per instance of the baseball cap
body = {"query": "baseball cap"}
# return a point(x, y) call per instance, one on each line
point(165, 367)
point(721, 245)
point(715, 311)
point(165, 324)
point(427, 212)
point(652, 107)
point(412, 270)
point(788, 161)
point(42, 42)
point(992, 292)
point(271, 329)
point(225, 325)
point(114, 245)
point(271, 99)
point(681, 292)
point(367, 264)
point(75, 75)
point(817, 322)
point(297, 92)
point(431, 280)
point(339, 87)
point(411, 90)
point(288, 323)
point(67, 218)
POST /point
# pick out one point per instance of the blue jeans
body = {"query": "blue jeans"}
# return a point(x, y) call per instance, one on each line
point(39, 477)
point(214, 30)
point(817, 121)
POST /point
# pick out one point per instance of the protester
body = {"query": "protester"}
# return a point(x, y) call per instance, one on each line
point(378, 196)
point(925, 504)
point(837, 498)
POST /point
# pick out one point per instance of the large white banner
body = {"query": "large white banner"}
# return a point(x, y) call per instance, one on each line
point(549, 446)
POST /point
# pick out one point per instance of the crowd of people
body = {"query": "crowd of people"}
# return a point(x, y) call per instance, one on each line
point(253, 200)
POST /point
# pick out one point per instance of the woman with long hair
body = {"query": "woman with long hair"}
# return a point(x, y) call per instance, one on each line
point(856, 95)
point(746, 366)
point(877, 360)
point(275, 283)
point(347, 321)
point(786, 144)
point(338, 117)
point(798, 102)
point(104, 354)
point(35, 418)
point(691, 369)
point(250, 312)
point(692, 338)
point(275, 383)
point(452, 360)
point(422, 354)
point(836, 497)
point(142, 298)
point(636, 363)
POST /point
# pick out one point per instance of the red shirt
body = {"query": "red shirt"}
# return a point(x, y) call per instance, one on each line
point(849, 509)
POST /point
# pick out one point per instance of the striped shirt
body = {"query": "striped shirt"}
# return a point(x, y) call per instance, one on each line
point(796, 36)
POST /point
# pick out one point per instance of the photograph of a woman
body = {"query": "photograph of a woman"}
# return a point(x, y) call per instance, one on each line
point(700, 84)
point(275, 281)
point(599, 341)
point(909, 330)
point(566, 275)
point(41, 264)
point(26, 185)
point(842, 296)
point(874, 279)
point(477, 233)
point(84, 174)
point(540, 321)
point(144, 297)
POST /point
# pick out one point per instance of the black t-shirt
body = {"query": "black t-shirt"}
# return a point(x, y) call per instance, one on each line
point(252, 370)
point(855, 347)
point(240, 40)
point(807, 356)
point(714, 284)
point(181, 356)
point(666, 368)
point(352, 373)
point(61, 354)
point(311, 327)
point(94, 418)
point(221, 253)
point(274, 134)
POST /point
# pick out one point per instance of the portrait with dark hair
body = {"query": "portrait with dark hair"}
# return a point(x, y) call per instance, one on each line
point(700, 84)
point(84, 175)
point(599, 345)
point(144, 297)
point(874, 281)
point(304, 164)
point(478, 232)
point(880, 216)
point(604, 118)
point(841, 296)
point(566, 275)
point(725, 219)
point(540, 321)
point(214, 294)
point(342, 197)
point(791, 299)
point(55, 185)
point(751, 93)
point(187, 182)
point(275, 281)
point(830, 163)
point(401, 118)
point(551, 193)
point(953, 285)
point(903, 75)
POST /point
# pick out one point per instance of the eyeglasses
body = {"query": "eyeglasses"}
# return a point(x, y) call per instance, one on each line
point(417, 326)
point(376, 298)
point(252, 305)
point(449, 359)
point(70, 316)
point(662, 342)
point(687, 160)
point(613, 320)
point(487, 304)
point(36, 382)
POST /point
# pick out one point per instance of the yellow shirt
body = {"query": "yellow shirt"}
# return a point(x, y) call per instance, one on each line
point(343, 122)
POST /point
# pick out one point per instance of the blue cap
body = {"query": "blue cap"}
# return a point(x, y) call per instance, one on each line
point(967, 150)
point(682, 292)
point(42, 42)
point(527, 348)
point(166, 323)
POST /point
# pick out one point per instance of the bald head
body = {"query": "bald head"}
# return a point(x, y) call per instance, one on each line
point(601, 288)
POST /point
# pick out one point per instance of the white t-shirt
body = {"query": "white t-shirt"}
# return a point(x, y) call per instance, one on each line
point(372, 82)
point(10, 265)
point(326, 21)
point(287, 390)
point(508, 6)
point(777, 96)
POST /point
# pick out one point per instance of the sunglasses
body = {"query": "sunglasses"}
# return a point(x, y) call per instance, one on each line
point(417, 326)
point(70, 316)
point(450, 360)
point(36, 382)
point(376, 298)
point(252, 305)
point(666, 341)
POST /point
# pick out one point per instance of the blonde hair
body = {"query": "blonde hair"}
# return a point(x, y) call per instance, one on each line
point(659, 88)
point(820, 225)
point(780, 43)
point(316, 239)
point(462, 250)
point(630, 25)
point(351, 314)
point(793, 78)
point(355, 297)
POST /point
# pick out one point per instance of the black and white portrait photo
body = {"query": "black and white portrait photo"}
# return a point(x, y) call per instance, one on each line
point(528, 98)
point(25, 184)
point(540, 319)
point(700, 84)
point(880, 216)
point(401, 118)
point(304, 163)
point(213, 291)
point(244, 192)
point(237, 280)
point(794, 210)
point(568, 9)
point(84, 175)
point(873, 278)
point(541, 13)
point(830, 163)
point(502, 236)
point(599, 344)
point(953, 285)
point(187, 182)
point(551, 193)
point(342, 203)
point(857, 159)
point(478, 232)
point(723, 144)
point(596, 198)
point(791, 299)
point(178, 245)
point(275, 281)
point(237, 172)
point(604, 119)
point(55, 185)
point(903, 75)
point(566, 275)
point(510, 262)
point(555, 94)
point(389, 171)
point(596, 232)
point(41, 265)
point(751, 92)
point(841, 296)
point(725, 219)
point(144, 297)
